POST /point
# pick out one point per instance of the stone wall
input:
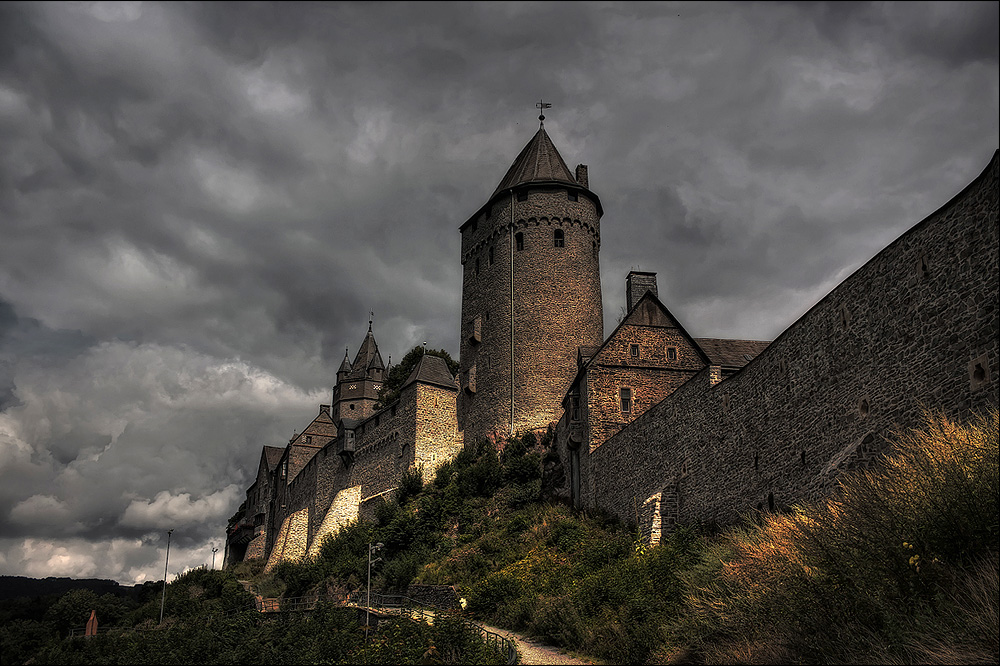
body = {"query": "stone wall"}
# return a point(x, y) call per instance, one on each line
point(916, 327)
point(438, 438)
point(556, 301)
point(327, 493)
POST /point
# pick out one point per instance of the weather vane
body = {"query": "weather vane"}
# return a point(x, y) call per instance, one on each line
point(371, 318)
point(541, 116)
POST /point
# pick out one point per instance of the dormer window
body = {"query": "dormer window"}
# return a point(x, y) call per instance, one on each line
point(634, 351)
point(671, 353)
point(558, 238)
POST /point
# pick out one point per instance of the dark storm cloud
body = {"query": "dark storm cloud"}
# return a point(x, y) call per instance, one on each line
point(202, 203)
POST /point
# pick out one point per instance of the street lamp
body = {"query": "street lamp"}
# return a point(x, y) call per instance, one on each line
point(165, 562)
point(371, 551)
point(214, 551)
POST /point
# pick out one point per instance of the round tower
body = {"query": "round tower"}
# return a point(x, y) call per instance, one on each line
point(531, 293)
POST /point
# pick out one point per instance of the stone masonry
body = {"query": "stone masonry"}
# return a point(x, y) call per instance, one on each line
point(916, 327)
point(531, 294)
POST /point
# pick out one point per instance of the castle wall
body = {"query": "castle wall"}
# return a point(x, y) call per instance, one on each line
point(556, 303)
point(916, 326)
point(438, 438)
point(327, 494)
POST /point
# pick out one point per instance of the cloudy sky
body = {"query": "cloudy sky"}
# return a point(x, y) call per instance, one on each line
point(200, 203)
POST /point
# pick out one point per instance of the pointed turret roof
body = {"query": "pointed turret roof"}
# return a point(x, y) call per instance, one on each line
point(539, 161)
point(345, 365)
point(367, 355)
point(431, 369)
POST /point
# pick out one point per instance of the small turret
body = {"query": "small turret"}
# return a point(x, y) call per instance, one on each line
point(345, 368)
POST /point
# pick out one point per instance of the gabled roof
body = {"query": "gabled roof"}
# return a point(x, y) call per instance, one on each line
point(631, 317)
point(271, 456)
point(731, 353)
point(539, 161)
point(431, 369)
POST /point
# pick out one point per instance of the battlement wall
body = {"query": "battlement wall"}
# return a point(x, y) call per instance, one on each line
point(917, 326)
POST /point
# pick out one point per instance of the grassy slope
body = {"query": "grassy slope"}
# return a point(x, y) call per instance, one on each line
point(901, 568)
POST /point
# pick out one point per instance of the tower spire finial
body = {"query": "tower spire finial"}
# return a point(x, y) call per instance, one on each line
point(371, 318)
point(541, 116)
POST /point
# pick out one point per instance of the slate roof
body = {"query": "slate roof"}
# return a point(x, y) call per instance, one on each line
point(368, 356)
point(431, 370)
point(345, 365)
point(731, 353)
point(538, 161)
point(272, 454)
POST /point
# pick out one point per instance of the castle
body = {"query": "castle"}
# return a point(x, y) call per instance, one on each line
point(649, 424)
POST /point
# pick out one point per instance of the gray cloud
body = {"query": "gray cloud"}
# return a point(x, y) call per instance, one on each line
point(201, 203)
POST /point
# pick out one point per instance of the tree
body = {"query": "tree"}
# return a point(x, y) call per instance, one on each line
point(400, 372)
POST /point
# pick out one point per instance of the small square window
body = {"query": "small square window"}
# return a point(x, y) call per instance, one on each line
point(522, 196)
point(571, 196)
point(626, 399)
point(634, 350)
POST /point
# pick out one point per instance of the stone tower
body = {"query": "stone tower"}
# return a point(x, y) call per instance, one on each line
point(358, 383)
point(531, 293)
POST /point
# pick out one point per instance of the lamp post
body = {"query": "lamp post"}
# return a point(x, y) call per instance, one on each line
point(372, 549)
point(214, 551)
point(166, 561)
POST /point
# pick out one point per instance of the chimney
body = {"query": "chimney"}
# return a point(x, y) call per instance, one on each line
point(581, 175)
point(637, 283)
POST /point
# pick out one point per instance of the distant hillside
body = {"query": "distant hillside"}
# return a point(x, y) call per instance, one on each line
point(12, 587)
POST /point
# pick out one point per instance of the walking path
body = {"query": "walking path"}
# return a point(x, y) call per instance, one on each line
point(536, 652)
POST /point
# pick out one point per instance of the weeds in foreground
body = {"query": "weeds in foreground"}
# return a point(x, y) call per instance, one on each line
point(901, 567)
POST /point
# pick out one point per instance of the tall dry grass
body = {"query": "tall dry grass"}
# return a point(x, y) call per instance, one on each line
point(900, 567)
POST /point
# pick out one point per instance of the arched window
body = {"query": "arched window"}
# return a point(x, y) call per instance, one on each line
point(519, 240)
point(558, 239)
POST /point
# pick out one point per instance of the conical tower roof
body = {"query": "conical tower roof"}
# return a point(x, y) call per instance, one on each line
point(539, 161)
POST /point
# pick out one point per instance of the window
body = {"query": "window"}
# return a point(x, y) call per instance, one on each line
point(671, 353)
point(522, 195)
point(571, 196)
point(626, 398)
point(634, 351)
point(558, 239)
point(491, 256)
point(575, 409)
point(519, 240)
point(308, 439)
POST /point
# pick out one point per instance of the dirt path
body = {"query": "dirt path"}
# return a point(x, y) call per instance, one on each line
point(536, 652)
